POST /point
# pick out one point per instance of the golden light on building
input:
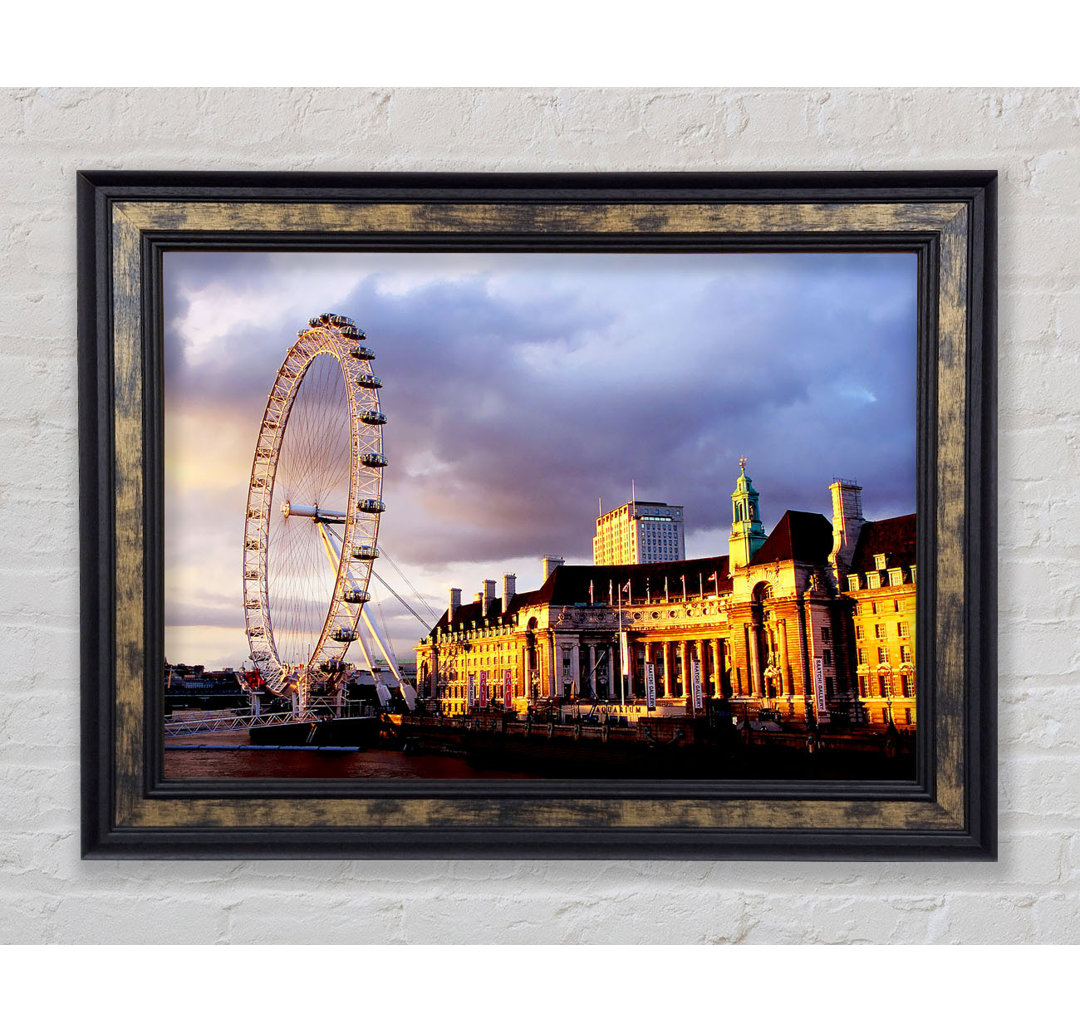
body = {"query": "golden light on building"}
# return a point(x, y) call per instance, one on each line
point(781, 624)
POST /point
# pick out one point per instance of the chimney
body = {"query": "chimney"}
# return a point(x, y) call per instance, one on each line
point(509, 590)
point(847, 521)
point(455, 604)
point(550, 563)
point(489, 594)
point(478, 598)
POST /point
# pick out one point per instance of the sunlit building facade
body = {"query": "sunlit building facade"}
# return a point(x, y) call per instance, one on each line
point(881, 581)
point(774, 625)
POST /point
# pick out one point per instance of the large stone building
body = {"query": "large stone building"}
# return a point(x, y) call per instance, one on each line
point(881, 581)
point(640, 532)
point(776, 624)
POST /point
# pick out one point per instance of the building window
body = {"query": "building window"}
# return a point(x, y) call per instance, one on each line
point(862, 684)
point(902, 629)
point(896, 576)
point(907, 686)
point(880, 631)
point(873, 579)
point(828, 686)
point(873, 607)
point(853, 582)
point(898, 606)
point(883, 685)
point(860, 631)
point(826, 634)
point(913, 575)
point(905, 654)
point(879, 561)
point(882, 655)
point(907, 716)
point(826, 656)
point(862, 656)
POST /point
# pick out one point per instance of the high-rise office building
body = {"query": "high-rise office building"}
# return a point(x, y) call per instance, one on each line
point(640, 532)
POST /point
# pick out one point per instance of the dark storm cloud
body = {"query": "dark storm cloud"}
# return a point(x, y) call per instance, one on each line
point(519, 394)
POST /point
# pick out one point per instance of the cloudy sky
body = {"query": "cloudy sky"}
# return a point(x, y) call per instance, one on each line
point(522, 388)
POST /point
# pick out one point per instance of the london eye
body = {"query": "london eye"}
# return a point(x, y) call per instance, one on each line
point(313, 509)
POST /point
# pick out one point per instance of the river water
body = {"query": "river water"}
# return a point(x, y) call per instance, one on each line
point(292, 763)
point(184, 762)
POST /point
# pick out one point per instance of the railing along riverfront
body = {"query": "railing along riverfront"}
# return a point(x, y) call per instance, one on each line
point(226, 723)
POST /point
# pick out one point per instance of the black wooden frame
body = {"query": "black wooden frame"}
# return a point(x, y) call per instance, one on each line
point(126, 221)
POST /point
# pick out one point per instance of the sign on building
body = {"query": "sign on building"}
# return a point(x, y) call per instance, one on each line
point(483, 688)
point(472, 691)
point(650, 686)
point(695, 678)
point(508, 689)
point(819, 687)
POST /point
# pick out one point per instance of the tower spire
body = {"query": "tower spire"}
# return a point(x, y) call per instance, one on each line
point(747, 531)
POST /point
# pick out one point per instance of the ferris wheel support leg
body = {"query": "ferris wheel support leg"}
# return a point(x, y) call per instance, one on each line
point(332, 553)
point(380, 689)
point(406, 689)
point(334, 556)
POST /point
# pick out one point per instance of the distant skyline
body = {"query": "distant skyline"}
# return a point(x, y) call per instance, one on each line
point(520, 388)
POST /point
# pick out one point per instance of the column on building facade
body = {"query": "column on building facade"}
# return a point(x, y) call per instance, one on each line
point(610, 670)
point(629, 667)
point(718, 670)
point(703, 659)
point(592, 670)
point(803, 653)
point(754, 688)
point(693, 652)
point(785, 671)
point(684, 657)
point(575, 666)
point(553, 684)
point(669, 689)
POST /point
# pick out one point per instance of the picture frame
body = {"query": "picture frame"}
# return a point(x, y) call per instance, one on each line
point(128, 220)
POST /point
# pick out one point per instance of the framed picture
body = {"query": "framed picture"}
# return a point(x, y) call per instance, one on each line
point(594, 515)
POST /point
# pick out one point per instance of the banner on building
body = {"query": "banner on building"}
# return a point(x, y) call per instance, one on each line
point(650, 686)
point(624, 653)
point(483, 689)
point(472, 691)
point(695, 678)
point(508, 689)
point(819, 686)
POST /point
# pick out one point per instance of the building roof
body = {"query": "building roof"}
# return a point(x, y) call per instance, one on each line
point(894, 537)
point(799, 536)
point(568, 585)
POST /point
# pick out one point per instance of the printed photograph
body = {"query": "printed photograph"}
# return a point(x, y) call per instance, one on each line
point(624, 516)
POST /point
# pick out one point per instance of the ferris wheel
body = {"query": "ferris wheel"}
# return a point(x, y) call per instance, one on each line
point(313, 507)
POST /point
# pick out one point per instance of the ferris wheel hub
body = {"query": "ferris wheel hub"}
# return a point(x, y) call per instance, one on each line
point(324, 516)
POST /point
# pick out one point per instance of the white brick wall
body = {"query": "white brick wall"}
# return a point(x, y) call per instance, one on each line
point(1032, 894)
